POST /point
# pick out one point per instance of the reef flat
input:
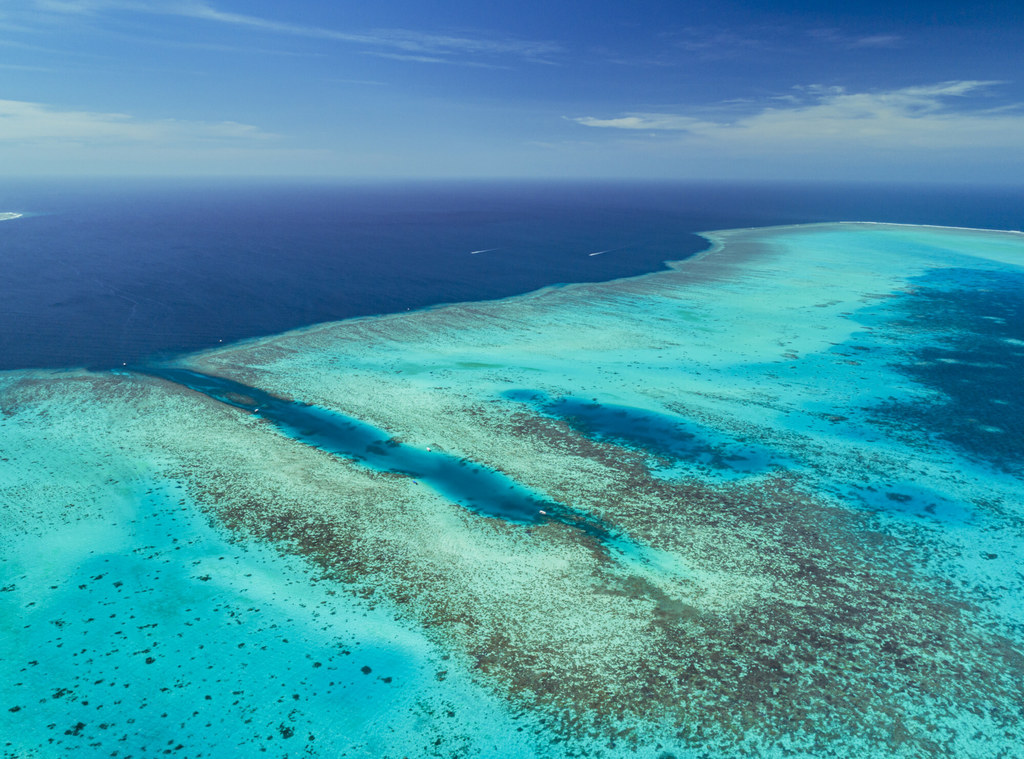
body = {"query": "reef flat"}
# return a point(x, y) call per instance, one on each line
point(778, 512)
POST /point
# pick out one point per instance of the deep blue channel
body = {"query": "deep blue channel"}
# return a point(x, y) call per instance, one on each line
point(469, 484)
point(664, 436)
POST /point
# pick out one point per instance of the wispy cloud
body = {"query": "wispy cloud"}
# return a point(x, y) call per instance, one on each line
point(20, 67)
point(709, 43)
point(415, 45)
point(26, 122)
point(365, 82)
point(836, 38)
point(75, 6)
point(923, 117)
point(877, 40)
point(650, 122)
point(408, 57)
point(712, 43)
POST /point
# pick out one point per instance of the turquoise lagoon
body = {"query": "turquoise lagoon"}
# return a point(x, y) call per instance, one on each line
point(766, 503)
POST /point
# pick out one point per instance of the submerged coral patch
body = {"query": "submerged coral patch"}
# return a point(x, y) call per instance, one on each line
point(664, 436)
point(756, 525)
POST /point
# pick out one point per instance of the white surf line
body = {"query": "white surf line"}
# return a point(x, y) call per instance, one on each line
point(928, 226)
point(8, 215)
point(485, 250)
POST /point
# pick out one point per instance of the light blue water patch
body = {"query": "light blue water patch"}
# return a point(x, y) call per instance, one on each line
point(891, 628)
point(166, 639)
point(662, 435)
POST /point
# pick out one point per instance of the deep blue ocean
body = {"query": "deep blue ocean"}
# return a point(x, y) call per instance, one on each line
point(99, 273)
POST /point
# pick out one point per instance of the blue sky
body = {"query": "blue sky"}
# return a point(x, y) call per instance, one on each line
point(929, 91)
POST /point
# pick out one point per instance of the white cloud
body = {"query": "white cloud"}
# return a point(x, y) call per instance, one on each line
point(37, 139)
point(648, 122)
point(26, 122)
point(920, 117)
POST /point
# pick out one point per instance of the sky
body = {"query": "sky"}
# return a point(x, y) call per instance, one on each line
point(647, 89)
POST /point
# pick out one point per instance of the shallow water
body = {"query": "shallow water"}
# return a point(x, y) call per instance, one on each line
point(799, 454)
point(131, 623)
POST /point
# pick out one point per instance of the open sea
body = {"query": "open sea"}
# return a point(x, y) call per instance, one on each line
point(106, 272)
point(511, 470)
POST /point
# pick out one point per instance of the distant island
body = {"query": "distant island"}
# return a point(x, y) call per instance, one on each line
point(7, 215)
